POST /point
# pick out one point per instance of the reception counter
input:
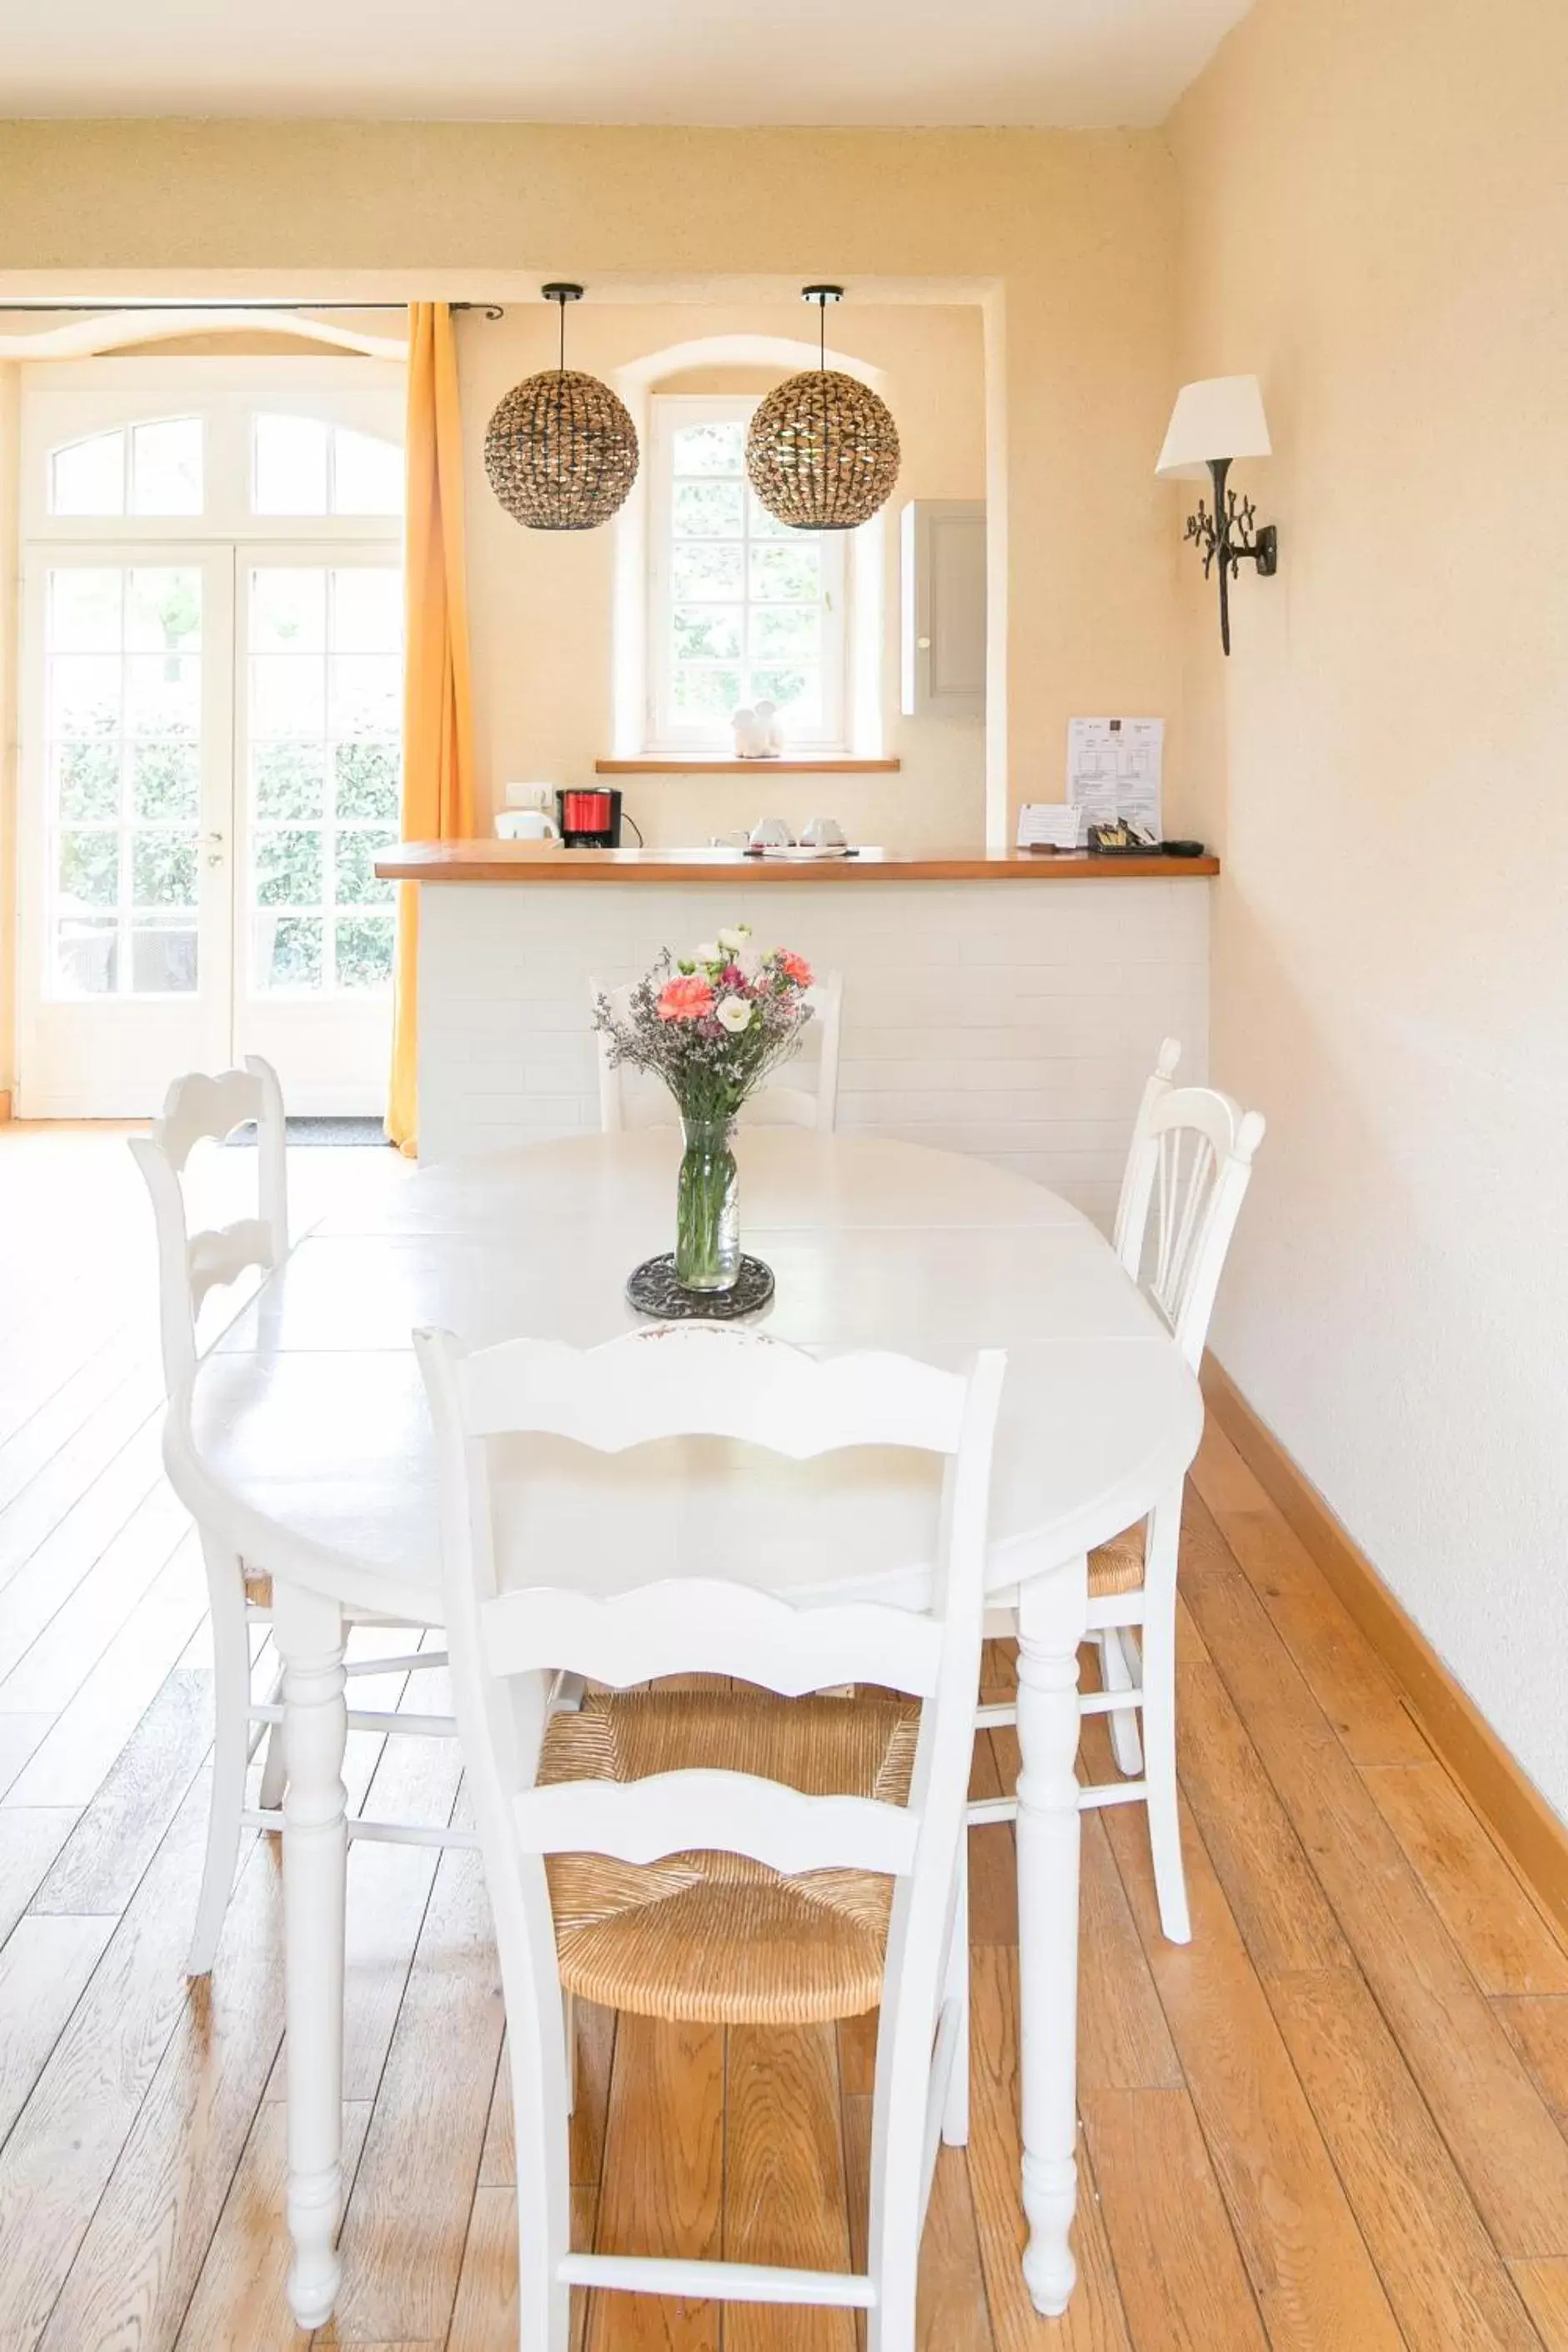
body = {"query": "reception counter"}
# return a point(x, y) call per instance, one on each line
point(1018, 1022)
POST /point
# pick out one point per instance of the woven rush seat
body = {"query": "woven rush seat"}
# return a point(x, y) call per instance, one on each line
point(719, 1939)
point(258, 1588)
point(1117, 1565)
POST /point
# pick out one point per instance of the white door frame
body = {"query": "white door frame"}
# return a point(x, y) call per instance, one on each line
point(65, 401)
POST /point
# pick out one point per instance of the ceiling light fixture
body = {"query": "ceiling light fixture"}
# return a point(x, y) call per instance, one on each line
point(561, 450)
point(822, 450)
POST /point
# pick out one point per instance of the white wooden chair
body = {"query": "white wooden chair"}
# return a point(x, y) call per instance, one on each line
point(1187, 1174)
point(200, 1108)
point(1156, 1086)
point(634, 1849)
point(645, 1103)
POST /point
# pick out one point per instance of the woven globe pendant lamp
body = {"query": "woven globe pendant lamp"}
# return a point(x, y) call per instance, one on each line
point(562, 449)
point(822, 450)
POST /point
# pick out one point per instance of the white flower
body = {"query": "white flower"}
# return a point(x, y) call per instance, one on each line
point(733, 1014)
point(735, 938)
point(748, 960)
point(708, 953)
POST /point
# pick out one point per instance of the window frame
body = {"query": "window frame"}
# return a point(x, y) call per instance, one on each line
point(662, 733)
point(65, 401)
point(69, 400)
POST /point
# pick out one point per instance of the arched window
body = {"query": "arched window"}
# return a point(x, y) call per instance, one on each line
point(151, 469)
point(741, 608)
point(303, 466)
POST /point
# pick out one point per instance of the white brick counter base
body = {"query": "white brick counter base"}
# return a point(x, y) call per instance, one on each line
point(1017, 1022)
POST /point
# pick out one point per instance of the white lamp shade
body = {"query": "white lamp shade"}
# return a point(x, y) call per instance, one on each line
point(1220, 417)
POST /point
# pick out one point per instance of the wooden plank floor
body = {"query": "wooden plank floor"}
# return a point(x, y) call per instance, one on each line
point(1333, 2124)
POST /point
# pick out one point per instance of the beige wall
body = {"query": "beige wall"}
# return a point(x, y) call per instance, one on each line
point(1374, 218)
point(1069, 238)
point(541, 604)
point(1074, 232)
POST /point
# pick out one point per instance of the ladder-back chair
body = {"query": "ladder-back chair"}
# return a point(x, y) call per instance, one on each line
point(1189, 1170)
point(770, 1854)
point(204, 1108)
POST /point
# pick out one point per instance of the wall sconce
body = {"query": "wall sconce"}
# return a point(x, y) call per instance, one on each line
point(1212, 422)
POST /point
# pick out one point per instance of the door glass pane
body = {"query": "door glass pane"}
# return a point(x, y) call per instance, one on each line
point(123, 754)
point(163, 957)
point(84, 610)
point(289, 615)
point(285, 779)
point(163, 609)
point(365, 779)
point(88, 871)
point(288, 954)
point(365, 946)
point(366, 611)
point(85, 780)
point(323, 761)
point(166, 466)
point(87, 956)
point(165, 779)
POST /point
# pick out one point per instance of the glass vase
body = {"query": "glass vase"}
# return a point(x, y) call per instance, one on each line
point(707, 1207)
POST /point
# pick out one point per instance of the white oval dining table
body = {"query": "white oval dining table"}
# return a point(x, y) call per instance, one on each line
point(301, 1442)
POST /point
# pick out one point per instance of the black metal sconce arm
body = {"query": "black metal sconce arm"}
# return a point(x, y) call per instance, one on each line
point(1229, 537)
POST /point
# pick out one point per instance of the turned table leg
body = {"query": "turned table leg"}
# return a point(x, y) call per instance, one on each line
point(1051, 1612)
point(309, 1631)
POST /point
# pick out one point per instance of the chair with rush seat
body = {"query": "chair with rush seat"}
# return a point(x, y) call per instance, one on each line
point(1187, 1173)
point(627, 1099)
point(768, 1855)
point(206, 1108)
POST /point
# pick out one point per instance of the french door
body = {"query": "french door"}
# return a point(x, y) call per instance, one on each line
point(211, 765)
point(318, 720)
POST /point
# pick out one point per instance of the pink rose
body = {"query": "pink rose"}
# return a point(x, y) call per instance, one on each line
point(794, 968)
point(686, 998)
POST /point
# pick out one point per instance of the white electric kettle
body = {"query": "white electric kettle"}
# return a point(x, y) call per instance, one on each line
point(526, 825)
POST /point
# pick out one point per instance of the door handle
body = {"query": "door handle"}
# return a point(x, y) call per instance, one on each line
point(215, 842)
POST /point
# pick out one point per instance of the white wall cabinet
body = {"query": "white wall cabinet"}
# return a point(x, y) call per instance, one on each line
point(942, 568)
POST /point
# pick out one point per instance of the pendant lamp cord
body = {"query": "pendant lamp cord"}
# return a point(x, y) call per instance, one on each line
point(561, 364)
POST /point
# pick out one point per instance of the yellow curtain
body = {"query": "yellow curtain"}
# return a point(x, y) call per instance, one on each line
point(438, 712)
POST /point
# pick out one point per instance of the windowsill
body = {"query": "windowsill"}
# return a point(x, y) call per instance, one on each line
point(710, 764)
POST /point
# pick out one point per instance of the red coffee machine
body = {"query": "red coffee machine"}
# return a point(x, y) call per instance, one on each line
point(589, 819)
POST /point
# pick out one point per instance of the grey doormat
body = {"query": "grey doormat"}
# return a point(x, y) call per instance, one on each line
point(364, 1133)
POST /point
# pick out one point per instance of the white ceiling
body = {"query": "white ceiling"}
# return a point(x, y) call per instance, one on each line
point(1077, 63)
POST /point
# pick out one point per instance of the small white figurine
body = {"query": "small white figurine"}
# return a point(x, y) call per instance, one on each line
point(767, 719)
point(750, 736)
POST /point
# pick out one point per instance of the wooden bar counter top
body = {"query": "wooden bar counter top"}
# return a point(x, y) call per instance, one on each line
point(528, 861)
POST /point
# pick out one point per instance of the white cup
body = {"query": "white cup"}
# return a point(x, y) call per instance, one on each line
point(526, 825)
point(771, 832)
point(823, 833)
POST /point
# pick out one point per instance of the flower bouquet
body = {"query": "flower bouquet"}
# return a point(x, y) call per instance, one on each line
point(711, 1026)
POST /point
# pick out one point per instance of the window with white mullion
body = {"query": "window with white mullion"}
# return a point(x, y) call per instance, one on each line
point(742, 608)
